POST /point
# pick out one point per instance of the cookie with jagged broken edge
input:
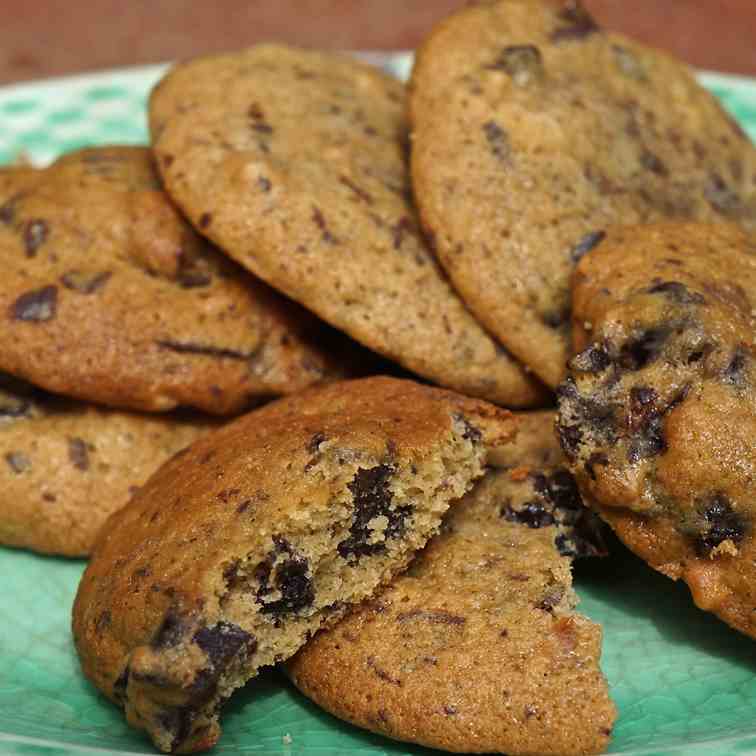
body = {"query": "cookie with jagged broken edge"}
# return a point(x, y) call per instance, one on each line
point(294, 163)
point(533, 131)
point(109, 295)
point(477, 647)
point(233, 554)
point(658, 414)
point(65, 466)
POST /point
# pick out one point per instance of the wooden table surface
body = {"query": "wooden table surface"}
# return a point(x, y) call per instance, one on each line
point(40, 39)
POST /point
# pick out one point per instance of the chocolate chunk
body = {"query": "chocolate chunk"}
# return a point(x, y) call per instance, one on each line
point(644, 349)
point(402, 227)
point(17, 461)
point(290, 578)
point(556, 318)
point(36, 306)
point(372, 498)
point(591, 415)
point(645, 423)
point(580, 23)
point(734, 373)
point(85, 283)
point(559, 488)
point(524, 63)
point(313, 445)
point(570, 438)
point(259, 124)
point(594, 359)
point(722, 523)
point(319, 220)
point(552, 597)
point(223, 641)
point(433, 616)
point(103, 621)
point(677, 291)
point(653, 163)
point(597, 458)
point(721, 197)
point(498, 140)
point(183, 347)
point(194, 279)
point(170, 633)
point(177, 722)
point(35, 234)
point(78, 453)
point(205, 220)
point(8, 211)
point(120, 685)
point(586, 244)
point(471, 432)
point(533, 514)
point(357, 191)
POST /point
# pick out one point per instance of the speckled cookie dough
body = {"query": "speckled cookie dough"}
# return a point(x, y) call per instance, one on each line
point(294, 162)
point(65, 466)
point(110, 296)
point(233, 554)
point(534, 131)
point(658, 414)
point(477, 647)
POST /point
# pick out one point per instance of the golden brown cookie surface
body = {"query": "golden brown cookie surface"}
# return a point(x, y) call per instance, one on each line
point(294, 163)
point(658, 414)
point(110, 296)
point(235, 552)
point(476, 648)
point(534, 131)
point(66, 466)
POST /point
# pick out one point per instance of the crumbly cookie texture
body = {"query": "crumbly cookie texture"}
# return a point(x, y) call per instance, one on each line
point(65, 466)
point(237, 551)
point(534, 131)
point(477, 647)
point(294, 163)
point(658, 414)
point(110, 296)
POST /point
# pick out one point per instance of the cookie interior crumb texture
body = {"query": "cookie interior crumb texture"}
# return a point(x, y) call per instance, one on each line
point(241, 548)
point(477, 647)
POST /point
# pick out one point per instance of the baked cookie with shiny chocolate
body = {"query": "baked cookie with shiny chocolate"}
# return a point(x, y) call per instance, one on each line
point(66, 466)
point(534, 131)
point(477, 648)
point(109, 296)
point(294, 163)
point(234, 553)
point(658, 415)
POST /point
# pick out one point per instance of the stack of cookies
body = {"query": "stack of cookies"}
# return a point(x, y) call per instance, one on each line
point(548, 207)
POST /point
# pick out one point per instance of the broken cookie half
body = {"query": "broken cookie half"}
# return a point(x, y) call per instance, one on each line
point(477, 647)
point(240, 548)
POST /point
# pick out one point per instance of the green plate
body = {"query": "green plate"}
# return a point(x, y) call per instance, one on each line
point(684, 683)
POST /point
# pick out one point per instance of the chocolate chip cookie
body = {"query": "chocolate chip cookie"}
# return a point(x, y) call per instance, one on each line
point(477, 647)
point(658, 414)
point(109, 295)
point(233, 554)
point(294, 163)
point(534, 131)
point(65, 466)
